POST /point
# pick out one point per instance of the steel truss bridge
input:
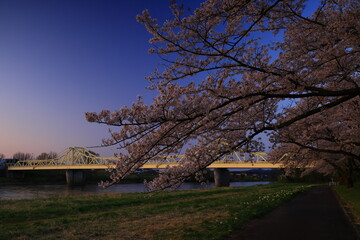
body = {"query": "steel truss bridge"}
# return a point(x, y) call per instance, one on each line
point(81, 158)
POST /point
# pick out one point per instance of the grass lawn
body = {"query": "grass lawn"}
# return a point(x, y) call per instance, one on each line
point(191, 214)
point(351, 196)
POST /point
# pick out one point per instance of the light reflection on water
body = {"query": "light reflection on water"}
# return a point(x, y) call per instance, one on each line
point(8, 192)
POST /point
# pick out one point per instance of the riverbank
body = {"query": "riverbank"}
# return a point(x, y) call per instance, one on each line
point(58, 177)
point(191, 214)
point(95, 176)
point(21, 191)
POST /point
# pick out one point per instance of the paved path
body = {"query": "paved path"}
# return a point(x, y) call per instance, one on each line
point(314, 215)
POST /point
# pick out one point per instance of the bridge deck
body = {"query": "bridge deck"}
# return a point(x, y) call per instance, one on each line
point(147, 166)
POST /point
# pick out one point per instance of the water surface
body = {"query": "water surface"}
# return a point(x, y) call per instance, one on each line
point(41, 191)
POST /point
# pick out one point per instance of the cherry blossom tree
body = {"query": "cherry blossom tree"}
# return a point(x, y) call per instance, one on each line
point(2, 156)
point(329, 142)
point(229, 67)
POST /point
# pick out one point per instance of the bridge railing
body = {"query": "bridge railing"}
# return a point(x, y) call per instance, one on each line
point(59, 162)
point(233, 157)
point(81, 156)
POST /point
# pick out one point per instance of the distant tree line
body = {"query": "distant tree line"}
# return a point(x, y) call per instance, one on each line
point(30, 156)
point(42, 156)
point(23, 156)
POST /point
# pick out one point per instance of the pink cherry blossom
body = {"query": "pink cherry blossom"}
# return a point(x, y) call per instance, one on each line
point(252, 57)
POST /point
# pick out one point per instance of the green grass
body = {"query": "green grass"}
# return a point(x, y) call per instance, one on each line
point(351, 196)
point(192, 214)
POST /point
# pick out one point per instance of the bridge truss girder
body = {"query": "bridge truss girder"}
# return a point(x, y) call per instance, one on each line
point(81, 158)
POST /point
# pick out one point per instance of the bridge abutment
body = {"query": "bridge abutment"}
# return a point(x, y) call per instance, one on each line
point(221, 177)
point(75, 177)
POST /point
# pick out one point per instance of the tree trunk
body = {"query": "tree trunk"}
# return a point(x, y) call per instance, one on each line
point(350, 182)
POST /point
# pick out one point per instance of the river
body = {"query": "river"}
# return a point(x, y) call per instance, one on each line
point(9, 192)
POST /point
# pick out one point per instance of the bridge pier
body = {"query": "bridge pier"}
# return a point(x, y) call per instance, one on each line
point(75, 177)
point(221, 177)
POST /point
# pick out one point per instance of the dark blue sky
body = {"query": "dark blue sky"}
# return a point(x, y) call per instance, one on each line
point(61, 58)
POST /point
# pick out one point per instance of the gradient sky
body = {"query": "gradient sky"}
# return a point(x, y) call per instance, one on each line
point(59, 59)
point(62, 58)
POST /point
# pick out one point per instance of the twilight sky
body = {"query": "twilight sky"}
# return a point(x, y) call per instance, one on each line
point(60, 59)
